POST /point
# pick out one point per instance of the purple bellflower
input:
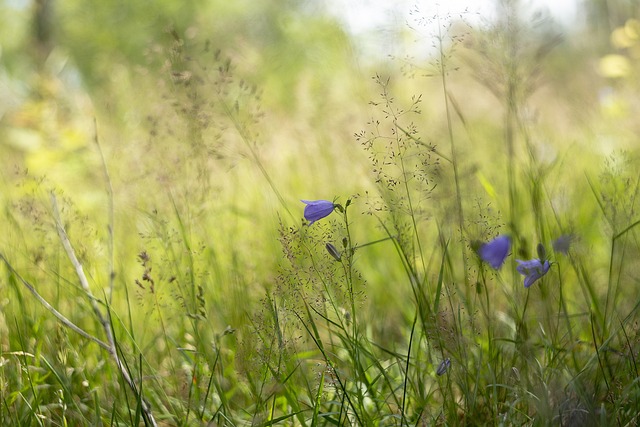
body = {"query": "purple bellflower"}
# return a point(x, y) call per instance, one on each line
point(495, 251)
point(562, 244)
point(317, 209)
point(444, 365)
point(532, 270)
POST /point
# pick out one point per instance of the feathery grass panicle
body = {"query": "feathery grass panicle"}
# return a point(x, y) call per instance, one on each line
point(482, 271)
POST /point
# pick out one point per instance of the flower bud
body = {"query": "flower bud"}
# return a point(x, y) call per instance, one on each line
point(444, 365)
point(333, 252)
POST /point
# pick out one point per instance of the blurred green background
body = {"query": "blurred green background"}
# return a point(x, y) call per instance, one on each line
point(143, 78)
point(191, 130)
point(224, 115)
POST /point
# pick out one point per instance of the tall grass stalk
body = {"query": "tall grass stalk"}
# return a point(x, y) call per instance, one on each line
point(443, 69)
point(384, 312)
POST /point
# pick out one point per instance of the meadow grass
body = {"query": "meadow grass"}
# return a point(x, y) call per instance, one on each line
point(191, 290)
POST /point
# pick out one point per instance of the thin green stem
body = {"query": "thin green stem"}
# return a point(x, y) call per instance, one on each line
point(454, 158)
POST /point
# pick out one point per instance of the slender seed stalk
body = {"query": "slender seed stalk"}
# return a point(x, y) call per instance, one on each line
point(454, 158)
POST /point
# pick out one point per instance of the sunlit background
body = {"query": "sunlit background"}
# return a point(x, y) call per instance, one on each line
point(376, 23)
point(174, 142)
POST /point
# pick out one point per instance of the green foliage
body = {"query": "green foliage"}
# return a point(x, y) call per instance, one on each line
point(157, 269)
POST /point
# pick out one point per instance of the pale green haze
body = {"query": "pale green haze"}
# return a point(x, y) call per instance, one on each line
point(319, 213)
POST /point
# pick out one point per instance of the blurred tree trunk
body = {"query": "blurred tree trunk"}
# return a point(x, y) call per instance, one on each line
point(42, 31)
point(603, 16)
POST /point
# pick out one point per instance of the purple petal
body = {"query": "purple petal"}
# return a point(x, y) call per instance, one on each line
point(533, 270)
point(317, 209)
point(495, 251)
point(530, 279)
point(444, 365)
point(525, 267)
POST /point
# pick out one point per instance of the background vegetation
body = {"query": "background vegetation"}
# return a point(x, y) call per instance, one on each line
point(157, 268)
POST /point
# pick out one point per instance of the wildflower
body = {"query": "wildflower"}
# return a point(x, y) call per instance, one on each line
point(317, 209)
point(346, 314)
point(532, 270)
point(495, 251)
point(562, 244)
point(444, 365)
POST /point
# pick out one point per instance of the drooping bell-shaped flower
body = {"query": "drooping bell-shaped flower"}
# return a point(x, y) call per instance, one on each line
point(495, 251)
point(532, 270)
point(317, 209)
point(444, 365)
